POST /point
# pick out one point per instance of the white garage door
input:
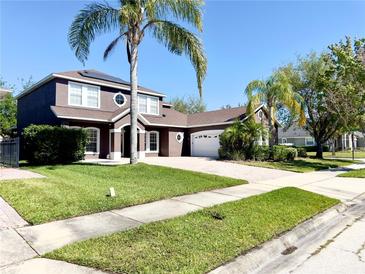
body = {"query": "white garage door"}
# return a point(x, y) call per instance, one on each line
point(205, 143)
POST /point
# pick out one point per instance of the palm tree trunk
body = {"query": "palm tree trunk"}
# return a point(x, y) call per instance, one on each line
point(134, 102)
point(353, 145)
point(271, 126)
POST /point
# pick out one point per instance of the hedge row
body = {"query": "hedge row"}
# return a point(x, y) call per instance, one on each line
point(44, 144)
point(262, 153)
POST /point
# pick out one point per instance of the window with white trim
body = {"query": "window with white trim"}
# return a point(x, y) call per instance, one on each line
point(93, 139)
point(309, 141)
point(119, 99)
point(152, 141)
point(148, 104)
point(83, 95)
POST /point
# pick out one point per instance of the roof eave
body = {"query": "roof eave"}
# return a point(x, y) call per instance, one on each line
point(55, 75)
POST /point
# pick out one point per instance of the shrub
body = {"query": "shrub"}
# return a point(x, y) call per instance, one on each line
point(302, 152)
point(44, 144)
point(282, 153)
point(314, 148)
point(238, 142)
point(262, 153)
point(235, 155)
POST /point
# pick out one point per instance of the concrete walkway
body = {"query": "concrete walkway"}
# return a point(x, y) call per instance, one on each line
point(16, 173)
point(207, 165)
point(9, 218)
point(46, 266)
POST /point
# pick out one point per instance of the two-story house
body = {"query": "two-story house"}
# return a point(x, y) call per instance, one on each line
point(100, 103)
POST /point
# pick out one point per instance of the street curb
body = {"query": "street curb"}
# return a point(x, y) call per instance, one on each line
point(274, 255)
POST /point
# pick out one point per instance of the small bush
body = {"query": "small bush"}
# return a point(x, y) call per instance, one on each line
point(314, 148)
point(302, 152)
point(262, 153)
point(235, 155)
point(44, 144)
point(281, 153)
point(238, 142)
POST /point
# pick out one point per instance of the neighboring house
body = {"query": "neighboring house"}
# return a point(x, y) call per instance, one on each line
point(100, 103)
point(298, 136)
point(295, 136)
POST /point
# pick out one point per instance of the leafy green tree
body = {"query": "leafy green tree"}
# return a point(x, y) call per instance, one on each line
point(189, 105)
point(332, 87)
point(132, 20)
point(7, 110)
point(310, 77)
point(7, 115)
point(347, 88)
point(276, 90)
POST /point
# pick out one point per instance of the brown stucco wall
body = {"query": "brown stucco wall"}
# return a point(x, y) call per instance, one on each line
point(175, 148)
point(164, 142)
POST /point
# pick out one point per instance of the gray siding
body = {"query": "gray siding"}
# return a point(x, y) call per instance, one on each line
point(34, 108)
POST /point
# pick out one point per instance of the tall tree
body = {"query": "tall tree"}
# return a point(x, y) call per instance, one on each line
point(188, 105)
point(7, 111)
point(347, 88)
point(132, 20)
point(332, 87)
point(275, 90)
point(7, 115)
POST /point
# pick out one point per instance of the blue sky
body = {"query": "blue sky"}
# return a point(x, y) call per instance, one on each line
point(244, 40)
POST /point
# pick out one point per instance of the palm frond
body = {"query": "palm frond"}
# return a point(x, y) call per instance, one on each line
point(94, 19)
point(111, 46)
point(254, 91)
point(189, 11)
point(179, 40)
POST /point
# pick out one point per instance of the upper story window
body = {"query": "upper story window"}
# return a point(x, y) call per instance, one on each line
point(83, 95)
point(148, 104)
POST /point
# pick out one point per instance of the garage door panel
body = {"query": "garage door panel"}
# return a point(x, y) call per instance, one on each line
point(205, 143)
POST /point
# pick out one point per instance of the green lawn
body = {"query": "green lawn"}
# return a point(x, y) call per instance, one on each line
point(72, 190)
point(341, 154)
point(360, 173)
point(300, 164)
point(198, 242)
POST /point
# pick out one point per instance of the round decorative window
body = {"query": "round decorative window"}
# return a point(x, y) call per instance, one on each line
point(119, 99)
point(179, 137)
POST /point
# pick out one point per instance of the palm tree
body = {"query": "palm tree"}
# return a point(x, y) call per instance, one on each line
point(271, 92)
point(132, 20)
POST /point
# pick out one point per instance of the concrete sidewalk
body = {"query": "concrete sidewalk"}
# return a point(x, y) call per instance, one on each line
point(46, 266)
point(47, 237)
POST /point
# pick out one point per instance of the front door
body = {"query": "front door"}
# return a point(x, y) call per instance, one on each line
point(126, 142)
point(122, 144)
